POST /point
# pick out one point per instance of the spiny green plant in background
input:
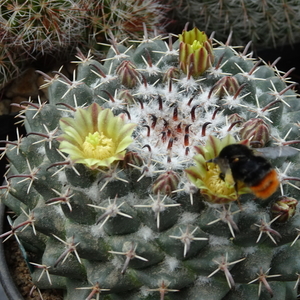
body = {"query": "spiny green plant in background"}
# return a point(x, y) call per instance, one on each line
point(34, 28)
point(266, 23)
point(10, 65)
point(124, 19)
point(111, 187)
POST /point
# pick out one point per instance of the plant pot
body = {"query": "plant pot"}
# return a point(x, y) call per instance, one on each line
point(6, 280)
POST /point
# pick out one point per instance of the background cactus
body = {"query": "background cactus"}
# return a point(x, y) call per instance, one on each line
point(30, 29)
point(10, 65)
point(139, 229)
point(266, 23)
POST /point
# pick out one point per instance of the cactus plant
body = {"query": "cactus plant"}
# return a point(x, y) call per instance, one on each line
point(10, 65)
point(33, 28)
point(112, 190)
point(266, 23)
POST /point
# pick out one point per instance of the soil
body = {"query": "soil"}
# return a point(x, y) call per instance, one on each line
point(21, 274)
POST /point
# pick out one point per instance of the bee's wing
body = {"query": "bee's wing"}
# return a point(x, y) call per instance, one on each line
point(274, 152)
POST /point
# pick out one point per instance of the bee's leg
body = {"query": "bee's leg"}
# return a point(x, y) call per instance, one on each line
point(222, 176)
point(236, 189)
point(237, 194)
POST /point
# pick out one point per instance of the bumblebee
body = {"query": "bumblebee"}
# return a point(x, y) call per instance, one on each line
point(240, 163)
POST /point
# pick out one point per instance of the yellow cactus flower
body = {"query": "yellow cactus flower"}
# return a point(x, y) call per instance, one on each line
point(95, 137)
point(206, 176)
point(195, 52)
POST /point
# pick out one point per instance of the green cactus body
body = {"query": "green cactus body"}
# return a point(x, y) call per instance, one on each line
point(139, 225)
point(266, 23)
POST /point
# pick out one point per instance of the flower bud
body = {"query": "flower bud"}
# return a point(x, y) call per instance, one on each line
point(171, 73)
point(233, 118)
point(285, 207)
point(227, 85)
point(195, 52)
point(132, 158)
point(255, 130)
point(126, 96)
point(127, 74)
point(166, 183)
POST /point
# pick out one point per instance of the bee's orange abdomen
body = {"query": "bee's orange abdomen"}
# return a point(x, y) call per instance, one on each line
point(267, 186)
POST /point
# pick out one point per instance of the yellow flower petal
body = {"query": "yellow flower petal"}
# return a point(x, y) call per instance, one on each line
point(95, 137)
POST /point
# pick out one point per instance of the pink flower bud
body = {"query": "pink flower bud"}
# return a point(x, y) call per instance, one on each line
point(255, 130)
point(227, 85)
point(127, 74)
point(166, 183)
